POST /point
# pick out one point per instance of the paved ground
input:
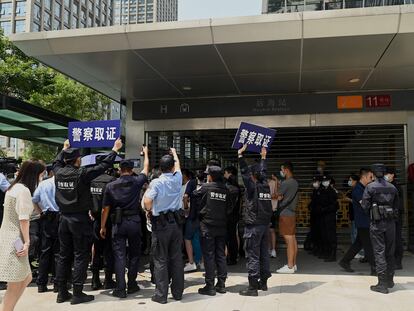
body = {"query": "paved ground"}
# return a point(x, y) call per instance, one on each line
point(316, 287)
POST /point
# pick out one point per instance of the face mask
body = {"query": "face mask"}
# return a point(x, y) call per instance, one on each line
point(350, 183)
point(319, 169)
point(316, 185)
point(387, 178)
point(326, 184)
point(282, 174)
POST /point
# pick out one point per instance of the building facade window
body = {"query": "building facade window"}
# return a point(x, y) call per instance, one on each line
point(5, 9)
point(21, 8)
point(20, 26)
point(6, 27)
point(48, 4)
point(66, 16)
point(58, 9)
point(67, 3)
point(57, 24)
point(75, 7)
point(37, 12)
point(47, 19)
point(74, 22)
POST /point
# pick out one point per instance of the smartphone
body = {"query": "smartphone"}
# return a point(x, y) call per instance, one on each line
point(18, 245)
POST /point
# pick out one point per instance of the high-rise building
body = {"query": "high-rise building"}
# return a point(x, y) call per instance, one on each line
point(145, 11)
point(43, 15)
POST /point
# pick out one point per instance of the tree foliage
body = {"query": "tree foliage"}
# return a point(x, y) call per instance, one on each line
point(27, 79)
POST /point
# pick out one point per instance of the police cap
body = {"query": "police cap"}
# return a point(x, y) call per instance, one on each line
point(378, 170)
point(167, 163)
point(126, 164)
point(326, 177)
point(71, 154)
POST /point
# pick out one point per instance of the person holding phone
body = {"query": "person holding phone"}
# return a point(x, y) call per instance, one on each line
point(14, 232)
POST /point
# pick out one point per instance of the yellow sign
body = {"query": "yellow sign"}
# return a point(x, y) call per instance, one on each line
point(350, 102)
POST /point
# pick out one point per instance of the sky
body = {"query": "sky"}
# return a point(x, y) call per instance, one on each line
point(198, 9)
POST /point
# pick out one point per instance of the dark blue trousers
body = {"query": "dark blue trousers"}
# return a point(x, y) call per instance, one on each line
point(257, 248)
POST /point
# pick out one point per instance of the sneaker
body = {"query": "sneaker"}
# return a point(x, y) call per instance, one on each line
point(201, 267)
point(358, 256)
point(295, 268)
point(190, 267)
point(273, 253)
point(286, 270)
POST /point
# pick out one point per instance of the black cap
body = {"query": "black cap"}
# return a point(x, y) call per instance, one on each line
point(378, 169)
point(326, 177)
point(71, 154)
point(125, 164)
point(316, 178)
point(167, 162)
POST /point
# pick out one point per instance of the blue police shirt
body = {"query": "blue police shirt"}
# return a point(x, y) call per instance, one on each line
point(44, 195)
point(165, 192)
point(4, 183)
point(124, 192)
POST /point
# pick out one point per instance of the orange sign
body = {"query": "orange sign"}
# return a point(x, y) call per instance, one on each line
point(350, 102)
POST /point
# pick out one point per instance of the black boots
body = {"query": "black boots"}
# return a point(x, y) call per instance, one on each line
point(221, 287)
point(63, 294)
point(331, 256)
point(208, 290)
point(252, 289)
point(79, 296)
point(390, 280)
point(109, 283)
point(42, 289)
point(382, 286)
point(96, 282)
point(346, 266)
point(263, 285)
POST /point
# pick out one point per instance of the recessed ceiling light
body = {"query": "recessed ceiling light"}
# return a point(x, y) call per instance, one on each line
point(354, 80)
point(187, 88)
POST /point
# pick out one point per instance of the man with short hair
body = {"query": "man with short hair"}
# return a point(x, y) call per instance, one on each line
point(122, 197)
point(74, 199)
point(362, 222)
point(164, 200)
point(288, 200)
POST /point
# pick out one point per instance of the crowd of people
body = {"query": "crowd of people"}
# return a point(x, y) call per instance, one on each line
point(100, 217)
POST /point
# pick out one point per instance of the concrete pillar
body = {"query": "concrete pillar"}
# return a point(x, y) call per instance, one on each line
point(134, 133)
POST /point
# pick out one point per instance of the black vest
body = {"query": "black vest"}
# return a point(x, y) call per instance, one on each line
point(259, 207)
point(215, 205)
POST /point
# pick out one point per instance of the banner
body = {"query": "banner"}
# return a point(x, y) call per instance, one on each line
point(256, 137)
point(94, 133)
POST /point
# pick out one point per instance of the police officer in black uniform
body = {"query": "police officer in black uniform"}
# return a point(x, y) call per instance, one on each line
point(214, 207)
point(315, 234)
point(122, 197)
point(74, 199)
point(258, 215)
point(102, 247)
point(381, 200)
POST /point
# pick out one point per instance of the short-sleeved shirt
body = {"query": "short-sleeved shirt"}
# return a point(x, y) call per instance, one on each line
point(4, 183)
point(24, 205)
point(165, 192)
point(124, 192)
point(191, 187)
point(289, 190)
point(44, 195)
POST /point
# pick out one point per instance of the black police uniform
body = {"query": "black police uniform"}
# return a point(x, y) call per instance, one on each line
point(381, 200)
point(328, 205)
point(215, 206)
point(316, 223)
point(102, 248)
point(258, 215)
point(232, 220)
point(123, 197)
point(74, 199)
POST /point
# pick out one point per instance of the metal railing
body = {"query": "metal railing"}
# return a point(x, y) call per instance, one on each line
point(289, 6)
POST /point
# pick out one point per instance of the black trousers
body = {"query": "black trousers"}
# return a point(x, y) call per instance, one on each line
point(35, 233)
point(127, 231)
point(231, 240)
point(362, 241)
point(383, 243)
point(399, 248)
point(257, 248)
point(104, 255)
point(329, 233)
point(316, 231)
point(213, 248)
point(49, 250)
point(75, 239)
point(166, 248)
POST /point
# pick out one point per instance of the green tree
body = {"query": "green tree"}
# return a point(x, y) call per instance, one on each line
point(27, 79)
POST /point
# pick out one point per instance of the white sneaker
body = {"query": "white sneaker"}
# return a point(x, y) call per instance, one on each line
point(295, 268)
point(190, 267)
point(201, 267)
point(358, 256)
point(273, 253)
point(286, 270)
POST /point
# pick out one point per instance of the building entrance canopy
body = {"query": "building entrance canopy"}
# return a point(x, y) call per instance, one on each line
point(24, 121)
point(326, 51)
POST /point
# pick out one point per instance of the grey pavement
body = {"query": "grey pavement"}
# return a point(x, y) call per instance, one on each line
point(317, 286)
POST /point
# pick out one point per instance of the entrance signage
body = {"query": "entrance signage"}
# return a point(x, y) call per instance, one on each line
point(256, 137)
point(94, 133)
point(378, 101)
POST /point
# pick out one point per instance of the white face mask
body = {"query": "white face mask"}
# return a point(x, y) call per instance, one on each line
point(387, 178)
point(316, 185)
point(326, 184)
point(282, 174)
point(350, 183)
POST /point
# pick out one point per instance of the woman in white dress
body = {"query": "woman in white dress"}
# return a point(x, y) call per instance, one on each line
point(14, 233)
